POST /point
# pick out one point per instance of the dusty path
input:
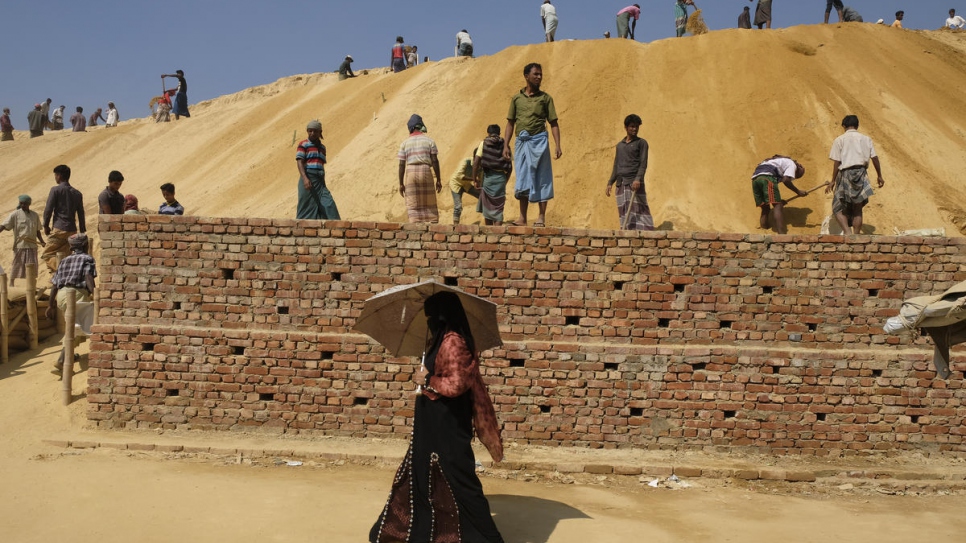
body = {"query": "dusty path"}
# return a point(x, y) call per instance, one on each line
point(50, 493)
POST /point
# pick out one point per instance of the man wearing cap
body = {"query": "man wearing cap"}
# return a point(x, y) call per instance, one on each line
point(418, 161)
point(75, 273)
point(315, 200)
point(25, 225)
point(64, 203)
point(345, 69)
point(112, 116)
point(36, 122)
point(111, 201)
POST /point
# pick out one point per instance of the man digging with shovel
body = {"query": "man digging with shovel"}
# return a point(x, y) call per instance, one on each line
point(764, 184)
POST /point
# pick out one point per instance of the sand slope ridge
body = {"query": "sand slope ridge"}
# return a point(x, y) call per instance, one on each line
point(713, 106)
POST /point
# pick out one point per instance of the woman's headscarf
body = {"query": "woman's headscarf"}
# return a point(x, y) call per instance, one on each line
point(130, 202)
point(444, 313)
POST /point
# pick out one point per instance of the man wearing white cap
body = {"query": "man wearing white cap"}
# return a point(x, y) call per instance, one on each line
point(345, 70)
point(315, 200)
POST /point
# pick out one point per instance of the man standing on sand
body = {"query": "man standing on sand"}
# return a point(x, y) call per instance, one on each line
point(464, 44)
point(530, 111)
point(630, 165)
point(94, 116)
point(397, 58)
point(6, 127)
point(491, 172)
point(850, 155)
point(763, 13)
point(111, 201)
point(681, 16)
point(180, 108)
point(955, 21)
point(170, 205)
point(744, 20)
point(57, 119)
point(764, 185)
point(838, 5)
point(112, 116)
point(36, 121)
point(64, 203)
point(625, 25)
point(25, 225)
point(345, 69)
point(898, 22)
point(77, 121)
point(548, 14)
point(315, 200)
point(418, 162)
point(45, 111)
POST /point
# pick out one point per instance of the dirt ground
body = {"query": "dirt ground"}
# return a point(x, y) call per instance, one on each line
point(50, 493)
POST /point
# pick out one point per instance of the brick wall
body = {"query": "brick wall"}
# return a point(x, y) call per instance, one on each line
point(656, 340)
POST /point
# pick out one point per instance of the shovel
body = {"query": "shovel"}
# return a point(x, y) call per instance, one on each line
point(809, 191)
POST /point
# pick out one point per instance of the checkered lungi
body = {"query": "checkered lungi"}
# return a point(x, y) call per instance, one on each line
point(21, 258)
point(420, 193)
point(632, 208)
point(853, 188)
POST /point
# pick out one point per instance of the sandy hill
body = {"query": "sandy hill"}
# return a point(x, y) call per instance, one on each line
point(713, 106)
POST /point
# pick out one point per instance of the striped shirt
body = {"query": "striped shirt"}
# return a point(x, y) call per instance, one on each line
point(312, 154)
point(418, 149)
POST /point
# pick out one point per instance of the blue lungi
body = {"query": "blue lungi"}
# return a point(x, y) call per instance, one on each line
point(534, 171)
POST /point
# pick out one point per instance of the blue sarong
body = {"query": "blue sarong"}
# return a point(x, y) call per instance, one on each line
point(534, 171)
point(181, 104)
point(316, 204)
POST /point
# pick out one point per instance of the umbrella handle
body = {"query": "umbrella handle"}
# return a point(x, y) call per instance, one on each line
point(422, 365)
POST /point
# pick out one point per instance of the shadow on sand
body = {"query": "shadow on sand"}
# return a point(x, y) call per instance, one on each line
point(526, 519)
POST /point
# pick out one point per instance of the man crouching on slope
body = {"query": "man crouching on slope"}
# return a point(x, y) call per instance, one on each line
point(764, 183)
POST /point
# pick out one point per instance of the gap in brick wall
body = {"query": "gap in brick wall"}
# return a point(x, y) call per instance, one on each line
point(572, 320)
point(637, 411)
point(147, 346)
point(358, 400)
point(544, 408)
point(767, 290)
point(812, 327)
point(266, 396)
point(724, 324)
point(283, 310)
point(876, 373)
point(873, 292)
point(227, 273)
point(730, 414)
point(819, 416)
point(450, 281)
point(171, 392)
point(699, 366)
point(914, 419)
point(618, 285)
point(517, 362)
point(238, 350)
point(336, 276)
point(611, 366)
point(327, 355)
point(663, 323)
point(177, 306)
point(679, 288)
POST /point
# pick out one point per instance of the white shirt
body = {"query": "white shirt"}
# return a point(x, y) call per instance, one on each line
point(548, 10)
point(463, 37)
point(112, 117)
point(852, 149)
point(786, 166)
point(955, 22)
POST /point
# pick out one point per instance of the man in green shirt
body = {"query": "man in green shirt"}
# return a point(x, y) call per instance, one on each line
point(530, 111)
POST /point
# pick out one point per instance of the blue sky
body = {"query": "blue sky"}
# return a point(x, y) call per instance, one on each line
point(86, 53)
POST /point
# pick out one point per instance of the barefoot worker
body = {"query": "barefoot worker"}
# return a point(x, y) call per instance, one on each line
point(315, 200)
point(491, 172)
point(530, 111)
point(764, 184)
point(418, 162)
point(630, 165)
point(850, 155)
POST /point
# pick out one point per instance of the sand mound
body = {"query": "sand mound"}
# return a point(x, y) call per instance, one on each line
point(713, 105)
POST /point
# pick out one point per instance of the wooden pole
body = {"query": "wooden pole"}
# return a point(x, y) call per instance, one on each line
point(4, 320)
point(32, 306)
point(68, 371)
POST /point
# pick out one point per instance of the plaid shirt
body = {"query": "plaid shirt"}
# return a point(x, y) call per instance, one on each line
point(73, 271)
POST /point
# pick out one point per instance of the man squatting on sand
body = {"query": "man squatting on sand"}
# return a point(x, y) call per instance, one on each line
point(764, 185)
point(530, 111)
point(315, 200)
point(850, 155)
point(630, 165)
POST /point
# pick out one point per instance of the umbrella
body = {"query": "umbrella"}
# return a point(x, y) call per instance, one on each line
point(395, 318)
